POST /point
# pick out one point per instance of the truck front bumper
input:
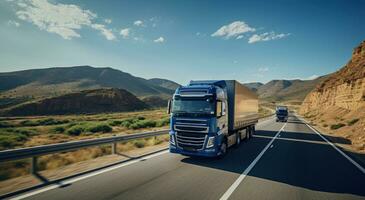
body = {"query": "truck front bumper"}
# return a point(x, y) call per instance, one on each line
point(210, 152)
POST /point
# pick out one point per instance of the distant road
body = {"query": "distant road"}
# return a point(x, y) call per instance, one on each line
point(295, 163)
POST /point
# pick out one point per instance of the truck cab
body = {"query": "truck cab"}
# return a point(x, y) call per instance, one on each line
point(281, 114)
point(200, 120)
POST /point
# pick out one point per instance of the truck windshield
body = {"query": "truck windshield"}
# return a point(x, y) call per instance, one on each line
point(193, 106)
point(282, 112)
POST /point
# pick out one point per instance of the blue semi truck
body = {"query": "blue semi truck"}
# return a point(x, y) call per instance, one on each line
point(281, 114)
point(207, 117)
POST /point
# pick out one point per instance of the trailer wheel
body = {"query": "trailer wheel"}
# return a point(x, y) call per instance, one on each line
point(252, 130)
point(248, 135)
point(238, 139)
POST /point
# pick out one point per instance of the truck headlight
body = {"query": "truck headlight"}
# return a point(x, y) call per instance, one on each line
point(172, 139)
point(210, 142)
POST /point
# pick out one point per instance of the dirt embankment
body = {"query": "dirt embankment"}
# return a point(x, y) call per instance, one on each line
point(337, 105)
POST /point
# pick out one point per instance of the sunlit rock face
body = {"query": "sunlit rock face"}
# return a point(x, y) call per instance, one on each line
point(344, 89)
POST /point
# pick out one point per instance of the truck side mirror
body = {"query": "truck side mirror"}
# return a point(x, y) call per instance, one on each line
point(169, 106)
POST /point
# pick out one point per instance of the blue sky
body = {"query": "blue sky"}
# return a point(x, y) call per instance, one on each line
point(183, 40)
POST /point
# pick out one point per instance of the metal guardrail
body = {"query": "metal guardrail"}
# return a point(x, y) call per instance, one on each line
point(34, 152)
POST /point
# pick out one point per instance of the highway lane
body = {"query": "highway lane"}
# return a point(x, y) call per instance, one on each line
point(298, 165)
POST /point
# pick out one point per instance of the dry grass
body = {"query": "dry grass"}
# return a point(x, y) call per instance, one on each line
point(350, 126)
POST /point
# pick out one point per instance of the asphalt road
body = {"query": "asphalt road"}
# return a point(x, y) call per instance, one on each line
point(298, 164)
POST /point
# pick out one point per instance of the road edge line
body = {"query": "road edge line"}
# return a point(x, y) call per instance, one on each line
point(334, 146)
point(243, 175)
point(72, 180)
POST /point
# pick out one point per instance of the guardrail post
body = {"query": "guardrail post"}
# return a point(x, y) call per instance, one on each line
point(114, 148)
point(33, 165)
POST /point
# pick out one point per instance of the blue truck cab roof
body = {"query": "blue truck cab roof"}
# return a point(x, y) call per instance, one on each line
point(200, 89)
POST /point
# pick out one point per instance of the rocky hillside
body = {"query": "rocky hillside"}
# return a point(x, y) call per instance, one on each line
point(88, 101)
point(344, 89)
point(337, 105)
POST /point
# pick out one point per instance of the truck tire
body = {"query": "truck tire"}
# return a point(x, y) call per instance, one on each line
point(238, 139)
point(252, 131)
point(248, 135)
point(223, 149)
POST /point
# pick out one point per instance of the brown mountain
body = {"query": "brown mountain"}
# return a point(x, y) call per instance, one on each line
point(254, 86)
point(171, 85)
point(36, 84)
point(284, 90)
point(87, 101)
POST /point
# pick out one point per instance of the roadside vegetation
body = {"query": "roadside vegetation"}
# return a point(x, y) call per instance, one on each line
point(337, 126)
point(32, 131)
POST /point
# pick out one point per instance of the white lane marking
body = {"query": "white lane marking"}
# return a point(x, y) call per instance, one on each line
point(233, 187)
point(54, 186)
point(72, 180)
point(334, 146)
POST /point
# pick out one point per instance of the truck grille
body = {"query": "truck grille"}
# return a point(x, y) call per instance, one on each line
point(190, 141)
point(191, 133)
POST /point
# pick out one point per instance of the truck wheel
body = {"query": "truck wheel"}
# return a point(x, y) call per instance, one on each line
point(238, 139)
point(248, 135)
point(252, 131)
point(223, 149)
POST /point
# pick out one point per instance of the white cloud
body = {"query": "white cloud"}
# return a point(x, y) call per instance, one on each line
point(13, 23)
point(106, 32)
point(125, 32)
point(239, 37)
point(159, 40)
point(234, 29)
point(108, 21)
point(266, 37)
point(314, 76)
point(138, 23)
point(263, 69)
point(62, 19)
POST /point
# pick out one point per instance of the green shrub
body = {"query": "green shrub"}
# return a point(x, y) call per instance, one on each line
point(352, 122)
point(141, 118)
point(99, 128)
point(140, 143)
point(75, 130)
point(51, 121)
point(143, 124)
point(115, 123)
point(29, 123)
point(337, 126)
point(5, 125)
point(10, 140)
point(59, 129)
point(163, 122)
point(24, 131)
point(126, 124)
